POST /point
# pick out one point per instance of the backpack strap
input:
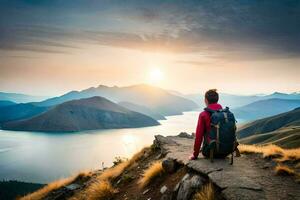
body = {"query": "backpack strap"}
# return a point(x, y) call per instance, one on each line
point(210, 111)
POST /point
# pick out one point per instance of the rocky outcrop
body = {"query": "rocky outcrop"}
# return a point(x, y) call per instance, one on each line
point(245, 179)
point(250, 177)
point(189, 185)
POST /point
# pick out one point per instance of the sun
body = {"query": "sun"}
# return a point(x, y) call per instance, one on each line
point(156, 75)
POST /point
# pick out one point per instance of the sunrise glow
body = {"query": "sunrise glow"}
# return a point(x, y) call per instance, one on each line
point(155, 76)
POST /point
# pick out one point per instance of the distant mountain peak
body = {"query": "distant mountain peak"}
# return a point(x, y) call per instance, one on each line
point(279, 93)
point(103, 86)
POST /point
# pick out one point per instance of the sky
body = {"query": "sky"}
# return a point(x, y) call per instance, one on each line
point(49, 47)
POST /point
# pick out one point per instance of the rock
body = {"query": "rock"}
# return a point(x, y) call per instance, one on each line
point(196, 181)
point(233, 193)
point(176, 187)
point(159, 140)
point(146, 191)
point(225, 179)
point(169, 165)
point(185, 135)
point(163, 189)
point(73, 186)
point(165, 197)
point(185, 177)
point(188, 186)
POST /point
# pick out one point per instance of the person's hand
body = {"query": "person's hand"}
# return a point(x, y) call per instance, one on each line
point(192, 157)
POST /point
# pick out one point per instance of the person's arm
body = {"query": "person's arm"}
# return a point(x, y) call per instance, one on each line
point(199, 137)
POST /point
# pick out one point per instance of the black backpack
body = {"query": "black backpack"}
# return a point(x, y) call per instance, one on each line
point(222, 135)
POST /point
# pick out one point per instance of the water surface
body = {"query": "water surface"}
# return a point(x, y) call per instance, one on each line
point(44, 157)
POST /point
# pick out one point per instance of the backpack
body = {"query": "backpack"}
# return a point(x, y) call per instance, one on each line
point(221, 140)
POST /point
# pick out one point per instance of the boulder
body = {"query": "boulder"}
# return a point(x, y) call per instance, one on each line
point(163, 189)
point(185, 135)
point(169, 165)
point(189, 186)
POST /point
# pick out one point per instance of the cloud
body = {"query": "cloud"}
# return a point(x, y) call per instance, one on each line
point(227, 29)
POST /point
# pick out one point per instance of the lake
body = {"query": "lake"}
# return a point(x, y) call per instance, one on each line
point(44, 157)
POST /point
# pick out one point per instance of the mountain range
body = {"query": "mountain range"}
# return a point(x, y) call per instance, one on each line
point(142, 109)
point(19, 111)
point(235, 101)
point(84, 114)
point(154, 98)
point(265, 108)
point(154, 102)
point(20, 98)
point(282, 129)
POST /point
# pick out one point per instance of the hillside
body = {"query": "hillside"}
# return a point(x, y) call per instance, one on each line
point(163, 171)
point(265, 108)
point(20, 111)
point(6, 103)
point(154, 98)
point(84, 114)
point(291, 118)
point(286, 137)
point(142, 109)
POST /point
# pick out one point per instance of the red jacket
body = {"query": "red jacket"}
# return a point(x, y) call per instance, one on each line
point(203, 127)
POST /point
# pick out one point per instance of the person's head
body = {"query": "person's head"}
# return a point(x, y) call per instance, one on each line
point(211, 96)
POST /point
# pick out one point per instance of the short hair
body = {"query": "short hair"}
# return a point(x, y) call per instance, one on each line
point(212, 96)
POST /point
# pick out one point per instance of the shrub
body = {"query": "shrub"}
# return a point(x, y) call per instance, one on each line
point(151, 173)
point(99, 190)
point(41, 193)
point(118, 160)
point(206, 193)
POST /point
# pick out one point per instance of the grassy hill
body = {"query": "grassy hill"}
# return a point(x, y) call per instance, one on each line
point(287, 137)
point(282, 129)
point(84, 114)
point(269, 124)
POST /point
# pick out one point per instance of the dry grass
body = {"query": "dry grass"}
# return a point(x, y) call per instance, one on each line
point(101, 187)
point(272, 151)
point(152, 172)
point(206, 193)
point(284, 170)
point(281, 155)
point(290, 155)
point(249, 149)
point(117, 170)
point(41, 193)
point(99, 190)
